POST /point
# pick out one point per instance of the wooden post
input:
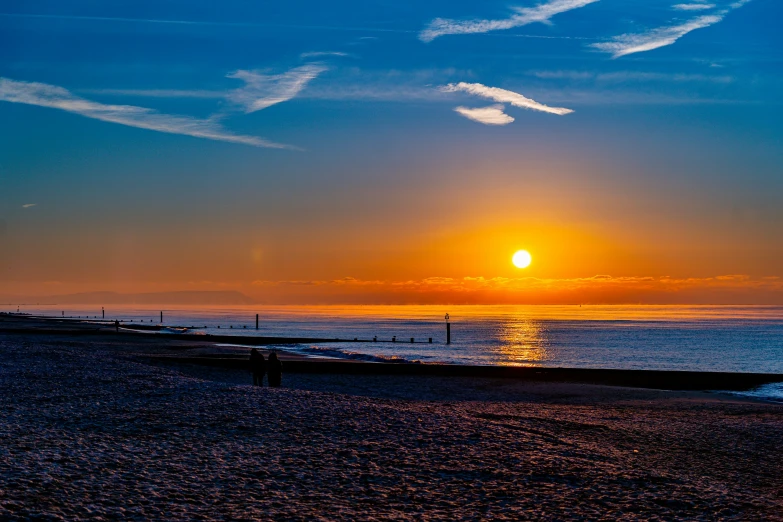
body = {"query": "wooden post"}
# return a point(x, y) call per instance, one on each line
point(448, 333)
point(103, 313)
point(161, 317)
point(256, 321)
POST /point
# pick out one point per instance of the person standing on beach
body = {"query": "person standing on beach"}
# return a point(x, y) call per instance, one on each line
point(258, 367)
point(275, 370)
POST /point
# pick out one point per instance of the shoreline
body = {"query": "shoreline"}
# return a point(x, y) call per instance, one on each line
point(23, 325)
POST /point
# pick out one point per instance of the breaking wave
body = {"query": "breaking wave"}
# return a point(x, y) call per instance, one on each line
point(772, 392)
point(355, 356)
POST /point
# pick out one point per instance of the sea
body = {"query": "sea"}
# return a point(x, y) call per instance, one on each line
point(703, 338)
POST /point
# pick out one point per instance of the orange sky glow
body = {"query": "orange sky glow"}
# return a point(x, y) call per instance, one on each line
point(611, 242)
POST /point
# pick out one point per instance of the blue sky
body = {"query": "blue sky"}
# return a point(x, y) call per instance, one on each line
point(352, 119)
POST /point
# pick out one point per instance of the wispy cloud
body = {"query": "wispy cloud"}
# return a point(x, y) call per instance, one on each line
point(203, 23)
point(629, 76)
point(263, 90)
point(157, 93)
point(388, 85)
point(28, 205)
point(503, 96)
point(260, 91)
point(693, 7)
point(631, 43)
point(52, 96)
point(541, 13)
point(323, 54)
point(492, 115)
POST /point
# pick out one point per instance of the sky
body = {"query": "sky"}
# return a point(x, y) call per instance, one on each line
point(394, 152)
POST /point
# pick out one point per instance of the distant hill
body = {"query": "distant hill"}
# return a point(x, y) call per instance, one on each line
point(186, 297)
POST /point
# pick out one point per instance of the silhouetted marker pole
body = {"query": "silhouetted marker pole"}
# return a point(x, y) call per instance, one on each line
point(448, 330)
point(103, 313)
point(161, 317)
point(256, 321)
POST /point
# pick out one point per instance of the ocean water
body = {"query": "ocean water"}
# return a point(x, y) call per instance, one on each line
point(710, 338)
point(705, 338)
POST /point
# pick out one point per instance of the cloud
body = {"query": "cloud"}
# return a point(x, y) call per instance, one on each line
point(385, 85)
point(629, 76)
point(503, 96)
point(202, 23)
point(321, 54)
point(52, 96)
point(259, 92)
point(525, 15)
point(492, 115)
point(625, 44)
point(601, 288)
point(28, 205)
point(537, 283)
point(157, 93)
point(264, 90)
point(693, 7)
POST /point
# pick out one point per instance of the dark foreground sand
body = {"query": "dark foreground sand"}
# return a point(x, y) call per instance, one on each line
point(87, 431)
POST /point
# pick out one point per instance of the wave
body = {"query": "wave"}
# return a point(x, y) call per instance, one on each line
point(355, 356)
point(772, 392)
point(158, 329)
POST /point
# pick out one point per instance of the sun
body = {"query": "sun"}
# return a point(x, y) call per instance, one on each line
point(522, 259)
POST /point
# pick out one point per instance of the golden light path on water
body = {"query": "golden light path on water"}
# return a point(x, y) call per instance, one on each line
point(522, 343)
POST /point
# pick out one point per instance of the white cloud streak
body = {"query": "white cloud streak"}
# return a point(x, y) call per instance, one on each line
point(504, 96)
point(322, 54)
point(629, 76)
point(157, 93)
point(492, 115)
point(52, 96)
point(28, 205)
point(541, 13)
point(260, 91)
point(264, 90)
point(626, 44)
point(693, 7)
point(201, 23)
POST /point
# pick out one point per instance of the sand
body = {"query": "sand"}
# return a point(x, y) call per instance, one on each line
point(91, 430)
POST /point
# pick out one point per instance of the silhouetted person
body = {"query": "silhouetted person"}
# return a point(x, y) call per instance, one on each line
point(258, 367)
point(275, 370)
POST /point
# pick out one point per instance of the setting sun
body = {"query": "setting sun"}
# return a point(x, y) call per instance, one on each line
point(522, 259)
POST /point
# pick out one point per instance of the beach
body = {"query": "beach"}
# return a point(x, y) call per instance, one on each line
point(735, 339)
point(95, 428)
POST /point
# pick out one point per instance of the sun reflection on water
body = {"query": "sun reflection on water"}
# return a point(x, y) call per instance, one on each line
point(523, 343)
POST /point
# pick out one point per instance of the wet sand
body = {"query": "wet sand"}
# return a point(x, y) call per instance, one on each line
point(92, 428)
